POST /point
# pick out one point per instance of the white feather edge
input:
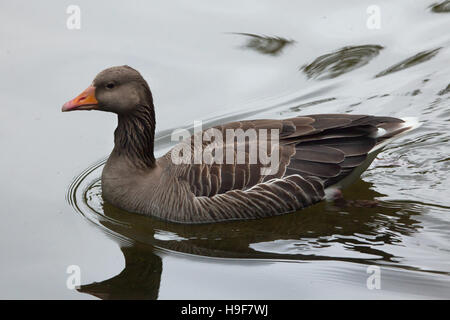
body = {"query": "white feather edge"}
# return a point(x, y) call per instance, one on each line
point(409, 122)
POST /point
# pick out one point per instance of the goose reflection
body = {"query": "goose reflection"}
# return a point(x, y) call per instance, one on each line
point(351, 230)
point(139, 279)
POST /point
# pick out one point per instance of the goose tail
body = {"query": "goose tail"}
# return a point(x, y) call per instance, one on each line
point(386, 133)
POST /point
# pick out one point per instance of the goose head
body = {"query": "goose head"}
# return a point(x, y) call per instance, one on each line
point(117, 89)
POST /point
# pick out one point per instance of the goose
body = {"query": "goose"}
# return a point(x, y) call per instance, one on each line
point(317, 155)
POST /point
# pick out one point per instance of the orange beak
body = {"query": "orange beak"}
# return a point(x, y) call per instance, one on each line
point(85, 101)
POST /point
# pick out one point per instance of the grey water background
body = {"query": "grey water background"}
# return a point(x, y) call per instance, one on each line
point(217, 62)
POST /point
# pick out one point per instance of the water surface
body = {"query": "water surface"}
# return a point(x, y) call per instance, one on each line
point(218, 63)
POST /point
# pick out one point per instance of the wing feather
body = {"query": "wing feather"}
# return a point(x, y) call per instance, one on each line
point(315, 151)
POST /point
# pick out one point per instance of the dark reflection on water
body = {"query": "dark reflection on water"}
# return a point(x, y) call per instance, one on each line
point(309, 104)
point(411, 61)
point(442, 7)
point(140, 279)
point(445, 90)
point(354, 231)
point(273, 46)
point(344, 60)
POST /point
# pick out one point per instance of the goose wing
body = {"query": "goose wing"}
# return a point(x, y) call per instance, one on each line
point(314, 152)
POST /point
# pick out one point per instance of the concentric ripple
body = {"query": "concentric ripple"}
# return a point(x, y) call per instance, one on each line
point(346, 232)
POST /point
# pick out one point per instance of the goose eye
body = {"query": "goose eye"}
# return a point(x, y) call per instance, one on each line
point(110, 85)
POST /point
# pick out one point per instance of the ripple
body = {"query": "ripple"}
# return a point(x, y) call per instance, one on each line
point(273, 46)
point(442, 7)
point(409, 62)
point(321, 232)
point(445, 90)
point(344, 60)
point(302, 106)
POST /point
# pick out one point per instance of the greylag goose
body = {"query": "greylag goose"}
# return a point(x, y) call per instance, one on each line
point(316, 155)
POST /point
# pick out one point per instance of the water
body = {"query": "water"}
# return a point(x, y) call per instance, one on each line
point(218, 63)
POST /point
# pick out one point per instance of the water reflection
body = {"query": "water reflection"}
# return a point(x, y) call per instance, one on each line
point(445, 90)
point(442, 7)
point(273, 46)
point(409, 62)
point(353, 231)
point(302, 106)
point(344, 60)
point(140, 279)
